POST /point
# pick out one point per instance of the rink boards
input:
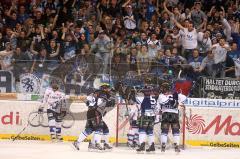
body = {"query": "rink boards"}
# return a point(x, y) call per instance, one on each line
point(205, 125)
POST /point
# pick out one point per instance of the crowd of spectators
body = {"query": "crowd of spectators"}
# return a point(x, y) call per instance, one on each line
point(159, 37)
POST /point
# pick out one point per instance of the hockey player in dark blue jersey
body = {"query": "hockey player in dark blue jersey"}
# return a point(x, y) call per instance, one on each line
point(147, 115)
point(97, 102)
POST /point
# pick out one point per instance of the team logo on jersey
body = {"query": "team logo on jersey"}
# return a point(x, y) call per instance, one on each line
point(29, 83)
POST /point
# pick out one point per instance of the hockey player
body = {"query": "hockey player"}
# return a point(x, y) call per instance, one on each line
point(169, 102)
point(147, 117)
point(55, 101)
point(133, 136)
point(128, 94)
point(96, 103)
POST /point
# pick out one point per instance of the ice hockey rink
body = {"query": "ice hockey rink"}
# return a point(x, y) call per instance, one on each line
point(48, 150)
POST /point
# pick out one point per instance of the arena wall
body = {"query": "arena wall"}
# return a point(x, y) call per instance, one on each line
point(205, 125)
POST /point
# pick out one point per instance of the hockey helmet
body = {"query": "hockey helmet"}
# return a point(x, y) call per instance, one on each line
point(105, 86)
point(54, 84)
point(165, 87)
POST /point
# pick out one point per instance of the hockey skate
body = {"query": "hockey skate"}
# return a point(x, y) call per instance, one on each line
point(59, 139)
point(53, 138)
point(75, 144)
point(163, 148)
point(98, 147)
point(151, 148)
point(132, 145)
point(107, 147)
point(141, 148)
point(176, 148)
point(91, 146)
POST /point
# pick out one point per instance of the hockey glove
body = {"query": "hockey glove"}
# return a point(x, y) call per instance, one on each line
point(63, 114)
point(40, 110)
point(110, 103)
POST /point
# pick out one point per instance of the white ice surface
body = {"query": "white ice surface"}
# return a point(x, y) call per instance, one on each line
point(48, 150)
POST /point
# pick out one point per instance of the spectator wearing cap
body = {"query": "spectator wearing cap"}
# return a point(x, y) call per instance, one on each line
point(138, 46)
point(102, 48)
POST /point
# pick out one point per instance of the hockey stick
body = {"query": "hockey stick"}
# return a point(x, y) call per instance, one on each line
point(24, 128)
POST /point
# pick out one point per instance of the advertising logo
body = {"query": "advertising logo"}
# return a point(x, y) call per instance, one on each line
point(29, 83)
point(11, 118)
point(196, 125)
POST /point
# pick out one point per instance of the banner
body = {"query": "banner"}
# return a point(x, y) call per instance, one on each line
point(205, 102)
point(220, 88)
point(213, 127)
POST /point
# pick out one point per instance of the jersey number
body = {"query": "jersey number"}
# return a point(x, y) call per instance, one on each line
point(153, 101)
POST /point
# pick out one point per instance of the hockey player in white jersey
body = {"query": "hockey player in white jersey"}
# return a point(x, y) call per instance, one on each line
point(55, 101)
point(169, 102)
